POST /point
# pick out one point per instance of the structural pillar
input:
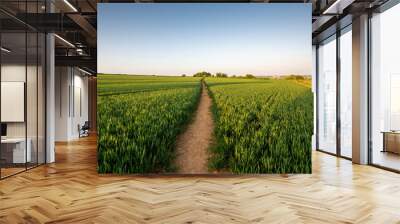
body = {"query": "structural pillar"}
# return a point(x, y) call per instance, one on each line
point(50, 92)
point(360, 89)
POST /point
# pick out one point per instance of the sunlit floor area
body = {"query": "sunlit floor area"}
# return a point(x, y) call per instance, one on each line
point(71, 191)
point(387, 159)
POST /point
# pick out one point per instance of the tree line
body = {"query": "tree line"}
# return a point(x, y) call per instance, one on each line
point(219, 75)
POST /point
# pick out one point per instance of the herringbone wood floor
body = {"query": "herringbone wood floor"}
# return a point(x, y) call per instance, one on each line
point(71, 191)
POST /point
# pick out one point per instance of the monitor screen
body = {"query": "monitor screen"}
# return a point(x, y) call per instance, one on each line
point(3, 129)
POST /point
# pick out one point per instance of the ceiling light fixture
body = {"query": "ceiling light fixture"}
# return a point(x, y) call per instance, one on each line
point(86, 72)
point(327, 11)
point(70, 5)
point(79, 51)
point(337, 7)
point(64, 40)
point(5, 50)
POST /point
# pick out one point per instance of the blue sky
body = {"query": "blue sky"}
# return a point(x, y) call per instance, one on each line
point(175, 39)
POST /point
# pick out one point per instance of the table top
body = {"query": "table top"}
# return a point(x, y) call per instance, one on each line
point(391, 132)
point(13, 140)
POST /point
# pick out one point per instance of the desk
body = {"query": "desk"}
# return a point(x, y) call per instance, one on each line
point(15, 148)
point(391, 141)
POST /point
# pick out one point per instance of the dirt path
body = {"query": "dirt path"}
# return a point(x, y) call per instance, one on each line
point(192, 145)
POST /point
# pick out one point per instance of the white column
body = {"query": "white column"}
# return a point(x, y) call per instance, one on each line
point(50, 98)
point(360, 89)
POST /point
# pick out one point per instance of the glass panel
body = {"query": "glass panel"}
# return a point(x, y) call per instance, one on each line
point(41, 98)
point(31, 98)
point(13, 86)
point(23, 90)
point(346, 93)
point(31, 88)
point(385, 84)
point(327, 96)
point(314, 73)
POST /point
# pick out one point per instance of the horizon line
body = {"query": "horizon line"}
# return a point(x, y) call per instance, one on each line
point(103, 73)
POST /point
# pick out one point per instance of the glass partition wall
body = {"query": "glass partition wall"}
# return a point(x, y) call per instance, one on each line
point(327, 95)
point(334, 93)
point(346, 95)
point(385, 89)
point(22, 78)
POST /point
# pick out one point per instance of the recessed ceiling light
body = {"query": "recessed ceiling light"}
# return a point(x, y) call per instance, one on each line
point(5, 50)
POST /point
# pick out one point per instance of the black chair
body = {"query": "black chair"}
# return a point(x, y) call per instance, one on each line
point(84, 130)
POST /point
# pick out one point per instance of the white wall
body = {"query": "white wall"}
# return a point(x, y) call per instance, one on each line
point(80, 109)
point(70, 84)
point(33, 127)
point(62, 82)
point(12, 73)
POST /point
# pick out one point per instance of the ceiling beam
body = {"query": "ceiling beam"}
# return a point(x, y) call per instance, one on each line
point(78, 61)
point(84, 24)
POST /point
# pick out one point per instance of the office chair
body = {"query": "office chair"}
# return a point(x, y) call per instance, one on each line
point(84, 130)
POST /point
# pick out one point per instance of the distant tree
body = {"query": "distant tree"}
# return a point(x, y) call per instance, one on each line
point(295, 77)
point(221, 75)
point(299, 77)
point(183, 75)
point(202, 74)
point(249, 76)
point(233, 76)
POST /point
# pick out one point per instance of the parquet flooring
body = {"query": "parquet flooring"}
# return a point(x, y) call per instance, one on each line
point(71, 191)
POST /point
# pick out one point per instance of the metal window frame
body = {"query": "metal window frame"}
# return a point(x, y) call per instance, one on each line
point(339, 32)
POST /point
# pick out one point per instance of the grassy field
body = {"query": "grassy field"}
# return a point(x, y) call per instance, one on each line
point(139, 120)
point(261, 125)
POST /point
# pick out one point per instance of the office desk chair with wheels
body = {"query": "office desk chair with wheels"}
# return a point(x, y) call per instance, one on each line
point(84, 130)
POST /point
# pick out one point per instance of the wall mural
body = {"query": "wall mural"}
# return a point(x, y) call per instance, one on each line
point(204, 88)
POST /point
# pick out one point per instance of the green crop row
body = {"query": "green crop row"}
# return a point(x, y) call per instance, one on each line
point(123, 84)
point(137, 131)
point(261, 126)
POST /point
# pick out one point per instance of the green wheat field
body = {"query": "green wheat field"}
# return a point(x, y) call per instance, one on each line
point(261, 125)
